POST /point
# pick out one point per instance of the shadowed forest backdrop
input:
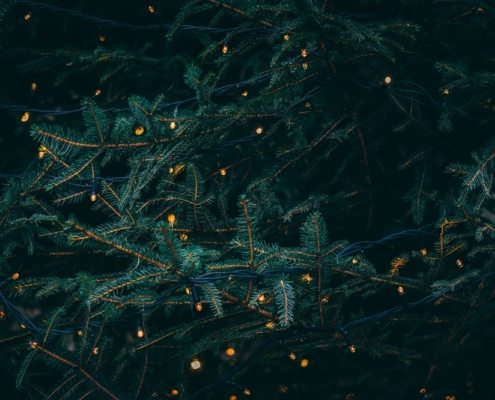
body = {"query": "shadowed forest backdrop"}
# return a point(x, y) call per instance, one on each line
point(222, 198)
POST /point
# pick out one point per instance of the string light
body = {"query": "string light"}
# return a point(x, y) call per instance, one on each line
point(27, 17)
point(23, 326)
point(400, 289)
point(140, 333)
point(355, 260)
point(41, 153)
point(183, 237)
point(259, 130)
point(171, 219)
point(233, 398)
point(446, 92)
point(352, 348)
point(245, 93)
point(102, 38)
point(305, 66)
point(33, 86)
point(2, 315)
point(423, 390)
point(230, 351)
point(283, 389)
point(95, 350)
point(139, 130)
point(225, 49)
point(459, 263)
point(195, 364)
point(97, 92)
point(387, 80)
point(306, 278)
point(93, 197)
point(173, 125)
point(304, 363)
point(33, 345)
point(270, 325)
point(171, 170)
point(223, 171)
point(15, 276)
point(151, 9)
point(25, 117)
point(188, 291)
point(292, 356)
point(79, 332)
point(261, 298)
point(198, 307)
point(304, 52)
point(286, 37)
point(246, 392)
point(423, 252)
point(350, 396)
point(174, 392)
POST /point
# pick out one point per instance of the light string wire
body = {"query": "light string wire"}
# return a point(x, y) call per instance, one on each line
point(133, 27)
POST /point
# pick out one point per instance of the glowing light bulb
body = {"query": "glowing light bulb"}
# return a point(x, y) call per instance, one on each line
point(199, 307)
point(151, 9)
point(33, 86)
point(355, 260)
point(33, 345)
point(259, 130)
point(25, 117)
point(422, 390)
point(23, 326)
point(261, 298)
point(195, 364)
point(27, 17)
point(305, 66)
point(459, 263)
point(223, 171)
point(173, 125)
point(225, 49)
point(188, 291)
point(306, 278)
point(446, 92)
point(292, 356)
point(140, 333)
point(304, 363)
point(286, 37)
point(246, 392)
point(270, 325)
point(102, 38)
point(388, 79)
point(400, 289)
point(183, 236)
point(93, 197)
point(97, 92)
point(139, 130)
point(304, 52)
point(170, 170)
point(171, 219)
point(2, 315)
point(15, 276)
point(95, 350)
point(424, 252)
point(283, 389)
point(79, 332)
point(233, 398)
point(41, 154)
point(245, 93)
point(352, 348)
point(230, 351)
point(174, 392)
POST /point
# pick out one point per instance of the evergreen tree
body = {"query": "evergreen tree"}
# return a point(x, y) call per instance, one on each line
point(222, 198)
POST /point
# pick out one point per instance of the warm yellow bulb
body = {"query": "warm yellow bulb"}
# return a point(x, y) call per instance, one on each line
point(446, 91)
point(25, 117)
point(2, 315)
point(102, 38)
point(306, 278)
point(199, 307)
point(225, 49)
point(233, 398)
point(355, 260)
point(245, 93)
point(33, 86)
point(388, 79)
point(261, 298)
point(188, 291)
point(174, 392)
point(270, 325)
point(41, 154)
point(223, 171)
point(27, 17)
point(93, 197)
point(139, 130)
point(304, 363)
point(459, 263)
point(183, 236)
point(259, 130)
point(15, 276)
point(424, 252)
point(140, 333)
point(97, 92)
point(230, 351)
point(195, 364)
point(23, 326)
point(292, 356)
point(171, 219)
point(286, 37)
point(170, 170)
point(95, 350)
point(422, 390)
point(304, 53)
point(173, 125)
point(352, 348)
point(400, 289)
point(283, 389)
point(247, 392)
point(305, 66)
point(79, 332)
point(33, 345)
point(151, 9)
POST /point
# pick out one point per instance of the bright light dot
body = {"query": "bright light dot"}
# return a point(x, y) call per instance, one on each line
point(388, 79)
point(195, 364)
point(230, 351)
point(304, 363)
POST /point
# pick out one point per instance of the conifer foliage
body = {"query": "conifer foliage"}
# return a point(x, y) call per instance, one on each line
point(183, 178)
